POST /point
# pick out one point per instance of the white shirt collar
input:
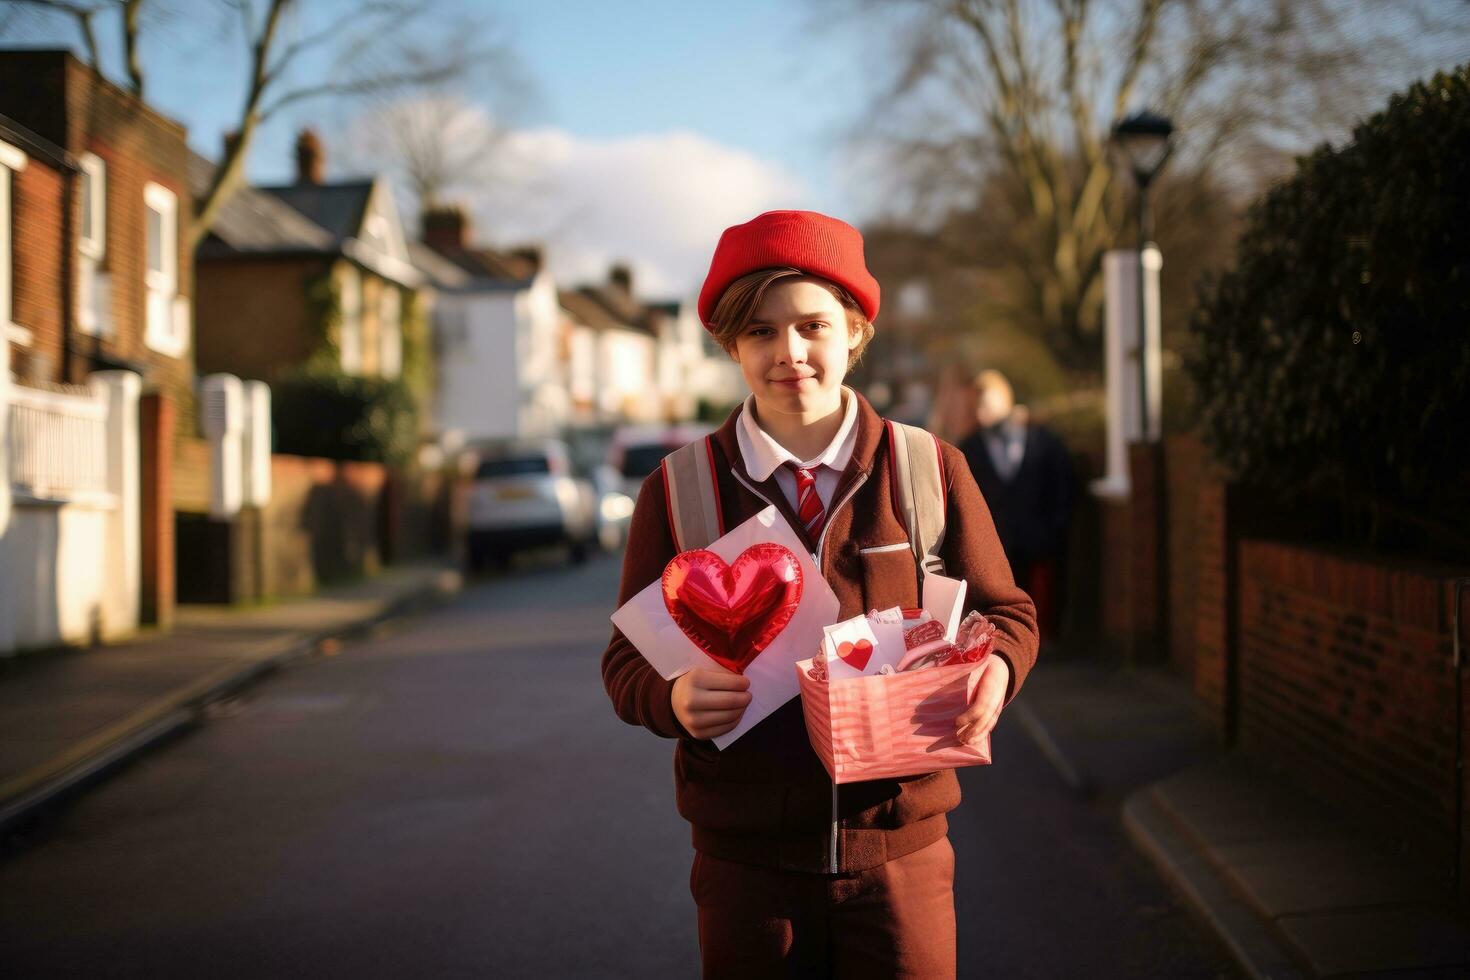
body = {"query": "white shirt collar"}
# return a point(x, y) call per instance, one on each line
point(763, 455)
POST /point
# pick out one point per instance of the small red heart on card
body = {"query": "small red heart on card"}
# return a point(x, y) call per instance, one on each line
point(733, 611)
point(855, 655)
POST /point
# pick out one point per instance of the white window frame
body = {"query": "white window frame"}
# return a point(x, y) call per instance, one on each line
point(349, 329)
point(91, 292)
point(95, 170)
point(390, 331)
point(165, 331)
point(12, 161)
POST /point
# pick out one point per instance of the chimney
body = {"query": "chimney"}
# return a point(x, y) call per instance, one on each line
point(311, 159)
point(621, 276)
point(446, 228)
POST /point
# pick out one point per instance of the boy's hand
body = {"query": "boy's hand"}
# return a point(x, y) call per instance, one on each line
point(710, 702)
point(984, 711)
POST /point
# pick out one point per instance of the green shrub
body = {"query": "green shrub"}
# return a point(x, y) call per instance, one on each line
point(1334, 358)
point(342, 416)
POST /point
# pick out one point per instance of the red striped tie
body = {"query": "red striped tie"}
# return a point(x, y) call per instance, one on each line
point(808, 505)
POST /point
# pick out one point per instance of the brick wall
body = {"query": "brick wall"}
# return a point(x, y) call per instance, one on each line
point(322, 523)
point(39, 290)
point(63, 101)
point(252, 316)
point(1199, 544)
point(1114, 597)
point(1133, 587)
point(1213, 559)
point(1183, 460)
point(191, 468)
point(1347, 681)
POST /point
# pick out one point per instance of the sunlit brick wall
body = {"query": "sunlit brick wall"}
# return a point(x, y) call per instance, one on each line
point(1346, 679)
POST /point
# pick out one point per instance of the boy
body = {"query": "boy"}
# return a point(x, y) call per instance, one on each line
point(793, 875)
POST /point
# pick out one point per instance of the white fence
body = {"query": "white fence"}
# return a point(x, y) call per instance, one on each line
point(69, 512)
point(58, 442)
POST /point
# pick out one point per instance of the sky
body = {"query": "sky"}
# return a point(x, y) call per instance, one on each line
point(649, 127)
point(641, 130)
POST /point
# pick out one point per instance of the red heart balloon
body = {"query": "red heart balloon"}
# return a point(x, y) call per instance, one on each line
point(733, 612)
point(856, 654)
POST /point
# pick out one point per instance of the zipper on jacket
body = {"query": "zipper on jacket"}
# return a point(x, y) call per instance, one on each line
point(817, 558)
point(821, 541)
point(832, 855)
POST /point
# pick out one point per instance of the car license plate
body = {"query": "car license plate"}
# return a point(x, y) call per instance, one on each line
point(514, 493)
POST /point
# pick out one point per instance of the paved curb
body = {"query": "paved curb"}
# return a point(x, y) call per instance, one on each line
point(28, 797)
point(1034, 727)
point(1249, 940)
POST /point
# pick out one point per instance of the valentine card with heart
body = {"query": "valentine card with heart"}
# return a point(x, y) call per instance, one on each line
point(753, 602)
point(863, 644)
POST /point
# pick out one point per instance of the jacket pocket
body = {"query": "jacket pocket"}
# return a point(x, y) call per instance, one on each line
point(879, 549)
point(890, 577)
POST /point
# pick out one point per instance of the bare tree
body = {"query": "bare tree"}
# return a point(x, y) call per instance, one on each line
point(84, 15)
point(437, 142)
point(296, 53)
point(1002, 109)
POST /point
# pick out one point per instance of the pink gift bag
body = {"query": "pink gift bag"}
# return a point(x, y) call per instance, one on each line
point(882, 726)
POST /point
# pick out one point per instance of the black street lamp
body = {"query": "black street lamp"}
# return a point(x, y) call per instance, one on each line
point(1143, 141)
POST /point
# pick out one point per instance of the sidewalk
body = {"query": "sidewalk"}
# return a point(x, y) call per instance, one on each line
point(1290, 888)
point(69, 717)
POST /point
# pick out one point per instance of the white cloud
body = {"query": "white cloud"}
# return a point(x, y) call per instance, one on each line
point(657, 202)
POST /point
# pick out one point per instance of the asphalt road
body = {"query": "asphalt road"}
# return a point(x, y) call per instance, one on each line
point(454, 797)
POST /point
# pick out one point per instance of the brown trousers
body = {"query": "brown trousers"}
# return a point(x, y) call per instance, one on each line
point(895, 920)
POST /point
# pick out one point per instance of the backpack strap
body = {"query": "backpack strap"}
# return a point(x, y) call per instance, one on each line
point(919, 495)
point(693, 496)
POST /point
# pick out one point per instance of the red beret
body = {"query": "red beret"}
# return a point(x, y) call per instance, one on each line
point(805, 240)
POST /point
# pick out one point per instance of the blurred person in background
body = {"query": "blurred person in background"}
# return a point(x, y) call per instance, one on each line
point(1026, 476)
point(956, 404)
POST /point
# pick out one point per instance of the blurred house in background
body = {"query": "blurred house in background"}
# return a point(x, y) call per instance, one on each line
point(496, 324)
point(95, 278)
point(304, 287)
point(694, 372)
point(308, 270)
point(635, 361)
point(612, 349)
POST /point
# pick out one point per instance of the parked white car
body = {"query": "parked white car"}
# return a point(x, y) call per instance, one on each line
point(637, 450)
point(524, 495)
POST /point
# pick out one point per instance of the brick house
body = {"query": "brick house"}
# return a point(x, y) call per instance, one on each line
point(95, 286)
point(279, 258)
point(102, 270)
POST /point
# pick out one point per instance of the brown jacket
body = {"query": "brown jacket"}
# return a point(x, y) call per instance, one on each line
point(766, 799)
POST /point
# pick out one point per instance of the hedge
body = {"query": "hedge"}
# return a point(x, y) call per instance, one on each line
point(1333, 359)
point(342, 416)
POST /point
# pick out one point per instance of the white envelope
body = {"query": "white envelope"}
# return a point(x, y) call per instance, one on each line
point(645, 621)
point(884, 634)
point(944, 598)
